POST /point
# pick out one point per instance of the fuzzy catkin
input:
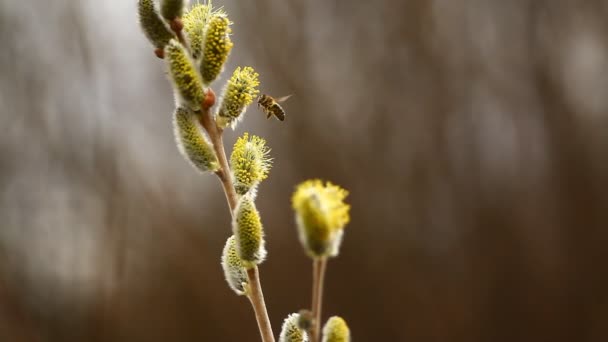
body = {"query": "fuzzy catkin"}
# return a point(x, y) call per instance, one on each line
point(249, 233)
point(239, 92)
point(217, 47)
point(171, 9)
point(336, 330)
point(184, 76)
point(290, 331)
point(191, 141)
point(195, 22)
point(250, 163)
point(153, 26)
point(321, 215)
point(235, 274)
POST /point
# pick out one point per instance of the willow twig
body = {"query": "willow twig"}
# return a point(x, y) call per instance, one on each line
point(255, 295)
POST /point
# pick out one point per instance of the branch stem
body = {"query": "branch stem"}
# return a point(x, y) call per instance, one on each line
point(215, 134)
point(256, 296)
point(319, 265)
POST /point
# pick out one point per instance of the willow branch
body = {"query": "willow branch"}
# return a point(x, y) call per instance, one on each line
point(259, 306)
point(256, 296)
point(215, 134)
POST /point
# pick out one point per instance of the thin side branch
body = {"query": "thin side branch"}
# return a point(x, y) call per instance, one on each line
point(319, 265)
point(259, 306)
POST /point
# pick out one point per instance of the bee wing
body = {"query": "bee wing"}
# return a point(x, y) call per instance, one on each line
point(281, 99)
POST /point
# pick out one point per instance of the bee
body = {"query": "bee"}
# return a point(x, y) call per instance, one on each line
point(270, 106)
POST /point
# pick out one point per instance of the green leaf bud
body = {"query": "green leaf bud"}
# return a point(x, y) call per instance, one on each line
point(336, 330)
point(217, 46)
point(186, 80)
point(290, 331)
point(240, 91)
point(153, 26)
point(321, 215)
point(235, 273)
point(171, 9)
point(248, 232)
point(192, 142)
point(250, 163)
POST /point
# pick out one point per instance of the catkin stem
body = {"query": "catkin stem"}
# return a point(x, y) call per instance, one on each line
point(319, 265)
point(256, 297)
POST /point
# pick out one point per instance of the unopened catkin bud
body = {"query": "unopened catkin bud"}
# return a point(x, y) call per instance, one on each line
point(248, 232)
point(153, 26)
point(216, 47)
point(235, 273)
point(321, 215)
point(250, 163)
point(192, 142)
point(336, 330)
point(290, 331)
point(184, 76)
point(240, 91)
point(195, 22)
point(171, 9)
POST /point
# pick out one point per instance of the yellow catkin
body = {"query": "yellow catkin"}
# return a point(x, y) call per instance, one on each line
point(171, 9)
point(321, 215)
point(186, 80)
point(195, 23)
point(248, 233)
point(235, 274)
point(217, 47)
point(290, 331)
point(191, 141)
point(240, 91)
point(336, 330)
point(153, 26)
point(250, 163)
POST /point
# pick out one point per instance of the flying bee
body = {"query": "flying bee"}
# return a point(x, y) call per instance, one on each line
point(271, 106)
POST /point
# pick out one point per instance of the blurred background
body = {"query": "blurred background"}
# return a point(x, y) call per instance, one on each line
point(472, 135)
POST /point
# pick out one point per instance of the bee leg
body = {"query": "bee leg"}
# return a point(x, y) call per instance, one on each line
point(268, 115)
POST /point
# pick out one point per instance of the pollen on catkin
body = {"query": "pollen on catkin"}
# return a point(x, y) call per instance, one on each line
point(248, 232)
point(336, 330)
point(195, 22)
point(192, 142)
point(153, 26)
point(250, 163)
point(171, 9)
point(321, 215)
point(184, 76)
point(290, 331)
point(240, 91)
point(235, 274)
point(216, 46)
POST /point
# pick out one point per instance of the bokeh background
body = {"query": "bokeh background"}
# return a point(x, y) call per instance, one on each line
point(472, 135)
